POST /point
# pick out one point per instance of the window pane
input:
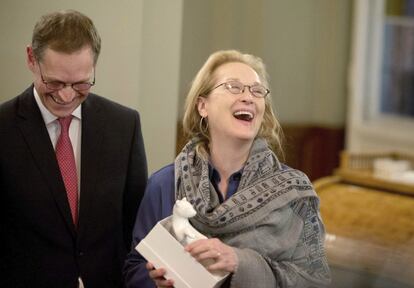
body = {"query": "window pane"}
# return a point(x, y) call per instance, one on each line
point(397, 93)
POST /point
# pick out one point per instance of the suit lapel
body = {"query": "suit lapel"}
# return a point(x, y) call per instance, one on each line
point(33, 129)
point(93, 123)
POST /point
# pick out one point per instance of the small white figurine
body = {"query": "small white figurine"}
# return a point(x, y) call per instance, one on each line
point(185, 233)
point(183, 230)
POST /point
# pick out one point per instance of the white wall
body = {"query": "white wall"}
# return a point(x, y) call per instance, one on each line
point(160, 78)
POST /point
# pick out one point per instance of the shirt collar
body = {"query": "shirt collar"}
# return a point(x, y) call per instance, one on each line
point(49, 117)
point(233, 184)
point(215, 176)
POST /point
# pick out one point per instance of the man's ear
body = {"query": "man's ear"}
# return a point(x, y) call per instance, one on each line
point(202, 106)
point(30, 58)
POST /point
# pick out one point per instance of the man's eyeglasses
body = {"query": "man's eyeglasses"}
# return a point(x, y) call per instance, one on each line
point(58, 85)
point(236, 87)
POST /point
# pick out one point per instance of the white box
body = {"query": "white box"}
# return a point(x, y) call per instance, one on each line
point(161, 249)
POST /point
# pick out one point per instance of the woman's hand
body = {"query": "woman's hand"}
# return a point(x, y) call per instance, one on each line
point(221, 257)
point(157, 275)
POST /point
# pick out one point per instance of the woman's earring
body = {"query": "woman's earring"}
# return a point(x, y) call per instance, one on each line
point(203, 130)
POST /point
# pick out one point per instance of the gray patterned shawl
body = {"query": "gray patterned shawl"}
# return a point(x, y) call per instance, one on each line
point(263, 188)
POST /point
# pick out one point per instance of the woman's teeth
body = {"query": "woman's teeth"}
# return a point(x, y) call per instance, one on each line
point(243, 115)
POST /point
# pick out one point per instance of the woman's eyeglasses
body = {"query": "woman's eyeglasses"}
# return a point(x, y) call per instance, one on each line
point(236, 87)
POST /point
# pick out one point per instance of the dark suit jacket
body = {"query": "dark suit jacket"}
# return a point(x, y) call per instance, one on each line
point(40, 246)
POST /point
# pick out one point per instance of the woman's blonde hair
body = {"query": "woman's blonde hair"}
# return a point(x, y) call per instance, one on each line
point(204, 81)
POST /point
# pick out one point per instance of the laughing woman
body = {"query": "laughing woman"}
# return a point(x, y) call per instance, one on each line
point(262, 217)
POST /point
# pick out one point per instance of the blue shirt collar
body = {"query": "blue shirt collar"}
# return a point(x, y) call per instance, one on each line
point(234, 181)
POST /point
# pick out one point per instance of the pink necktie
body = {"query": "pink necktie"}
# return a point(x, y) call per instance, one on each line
point(67, 165)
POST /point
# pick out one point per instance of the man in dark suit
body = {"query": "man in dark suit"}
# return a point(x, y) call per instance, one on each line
point(66, 218)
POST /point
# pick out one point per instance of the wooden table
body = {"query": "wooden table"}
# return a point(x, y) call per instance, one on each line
point(370, 229)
